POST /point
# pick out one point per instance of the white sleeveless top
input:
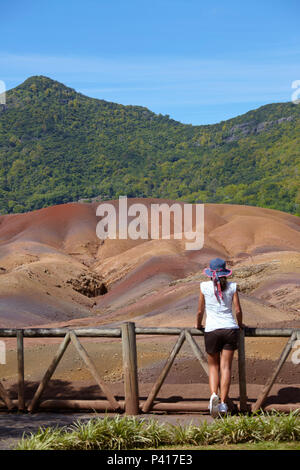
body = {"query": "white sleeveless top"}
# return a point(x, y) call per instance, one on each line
point(218, 314)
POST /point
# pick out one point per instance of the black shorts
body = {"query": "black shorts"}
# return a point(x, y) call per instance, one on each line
point(222, 338)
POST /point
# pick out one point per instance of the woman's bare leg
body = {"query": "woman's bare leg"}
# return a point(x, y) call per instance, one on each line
point(214, 369)
point(225, 366)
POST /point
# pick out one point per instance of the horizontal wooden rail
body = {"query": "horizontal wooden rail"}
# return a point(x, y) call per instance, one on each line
point(61, 404)
point(61, 332)
point(116, 332)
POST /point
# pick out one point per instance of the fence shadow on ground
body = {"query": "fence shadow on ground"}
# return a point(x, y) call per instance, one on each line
point(58, 388)
point(284, 395)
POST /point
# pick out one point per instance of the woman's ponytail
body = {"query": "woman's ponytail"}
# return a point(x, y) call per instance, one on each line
point(223, 282)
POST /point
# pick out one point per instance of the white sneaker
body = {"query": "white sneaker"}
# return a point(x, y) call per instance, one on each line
point(214, 405)
point(223, 408)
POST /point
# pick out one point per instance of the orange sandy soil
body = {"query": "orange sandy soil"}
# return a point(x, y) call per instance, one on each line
point(150, 282)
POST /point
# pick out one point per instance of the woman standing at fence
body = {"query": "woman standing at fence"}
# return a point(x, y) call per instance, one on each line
point(221, 331)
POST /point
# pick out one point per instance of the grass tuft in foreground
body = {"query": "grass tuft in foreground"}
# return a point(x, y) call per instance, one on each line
point(138, 433)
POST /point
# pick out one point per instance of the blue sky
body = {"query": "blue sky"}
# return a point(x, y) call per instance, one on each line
point(198, 61)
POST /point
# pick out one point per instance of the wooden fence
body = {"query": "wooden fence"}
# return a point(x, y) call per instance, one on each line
point(132, 405)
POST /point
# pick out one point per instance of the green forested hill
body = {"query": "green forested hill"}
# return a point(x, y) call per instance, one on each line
point(57, 145)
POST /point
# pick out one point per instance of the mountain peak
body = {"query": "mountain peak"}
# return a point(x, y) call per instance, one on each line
point(41, 82)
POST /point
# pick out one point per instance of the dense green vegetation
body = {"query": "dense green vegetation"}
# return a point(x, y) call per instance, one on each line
point(136, 433)
point(57, 145)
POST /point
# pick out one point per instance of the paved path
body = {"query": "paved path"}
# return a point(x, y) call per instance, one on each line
point(13, 425)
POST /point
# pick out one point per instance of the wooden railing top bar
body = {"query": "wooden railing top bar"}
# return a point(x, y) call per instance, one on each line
point(117, 332)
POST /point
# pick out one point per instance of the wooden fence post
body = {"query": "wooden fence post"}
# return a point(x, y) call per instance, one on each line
point(20, 355)
point(130, 369)
point(242, 371)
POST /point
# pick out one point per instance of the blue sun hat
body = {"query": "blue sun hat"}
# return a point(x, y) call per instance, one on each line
point(217, 268)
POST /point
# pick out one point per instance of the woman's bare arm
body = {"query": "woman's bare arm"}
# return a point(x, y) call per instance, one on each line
point(238, 310)
point(200, 312)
